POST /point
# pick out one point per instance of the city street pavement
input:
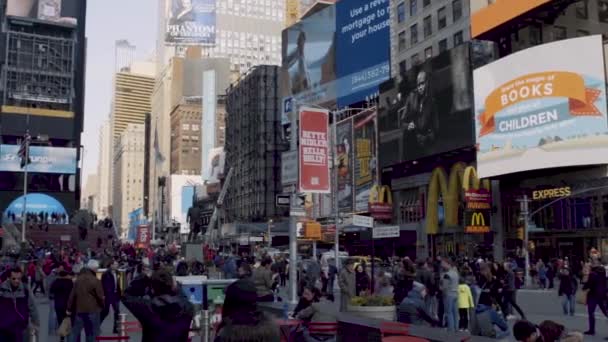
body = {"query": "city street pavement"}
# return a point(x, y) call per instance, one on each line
point(538, 305)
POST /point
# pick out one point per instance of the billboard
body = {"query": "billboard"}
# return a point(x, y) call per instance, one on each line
point(43, 159)
point(365, 170)
point(35, 204)
point(309, 71)
point(498, 13)
point(361, 25)
point(542, 107)
point(345, 154)
point(429, 111)
point(144, 236)
point(313, 151)
point(60, 11)
point(190, 22)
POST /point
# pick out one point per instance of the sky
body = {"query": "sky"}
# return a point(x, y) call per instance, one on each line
point(107, 22)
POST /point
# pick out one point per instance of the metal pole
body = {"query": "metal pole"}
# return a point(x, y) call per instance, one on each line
point(334, 155)
point(314, 250)
point(122, 319)
point(293, 221)
point(524, 214)
point(24, 213)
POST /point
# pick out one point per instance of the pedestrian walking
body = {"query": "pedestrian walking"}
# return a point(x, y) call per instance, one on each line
point(86, 303)
point(596, 295)
point(465, 304)
point(542, 274)
point(17, 308)
point(262, 278)
point(509, 293)
point(111, 288)
point(347, 283)
point(60, 293)
point(567, 288)
point(166, 315)
point(38, 279)
point(449, 287)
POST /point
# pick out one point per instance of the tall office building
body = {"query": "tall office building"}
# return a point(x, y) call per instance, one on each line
point(132, 92)
point(124, 55)
point(104, 171)
point(186, 138)
point(128, 171)
point(421, 29)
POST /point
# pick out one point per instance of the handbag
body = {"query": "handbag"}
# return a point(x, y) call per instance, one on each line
point(581, 297)
point(65, 328)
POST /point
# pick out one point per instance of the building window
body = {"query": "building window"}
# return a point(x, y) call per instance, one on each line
point(602, 10)
point(582, 33)
point(443, 45)
point(560, 32)
point(413, 7)
point(428, 27)
point(195, 127)
point(582, 11)
point(401, 12)
point(428, 52)
point(442, 20)
point(401, 41)
point(456, 9)
point(414, 34)
point(402, 67)
point(426, 3)
point(415, 59)
point(458, 38)
point(185, 127)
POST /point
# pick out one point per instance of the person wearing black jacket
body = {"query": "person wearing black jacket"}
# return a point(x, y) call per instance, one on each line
point(596, 296)
point(567, 288)
point(509, 294)
point(166, 315)
point(60, 293)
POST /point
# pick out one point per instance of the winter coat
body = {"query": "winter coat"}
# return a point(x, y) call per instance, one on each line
point(465, 299)
point(87, 295)
point(412, 310)
point(449, 283)
point(262, 278)
point(60, 293)
point(347, 282)
point(596, 284)
point(567, 285)
point(484, 321)
point(17, 308)
point(111, 288)
point(264, 329)
point(162, 318)
point(362, 282)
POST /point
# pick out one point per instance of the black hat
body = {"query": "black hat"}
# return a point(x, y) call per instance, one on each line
point(522, 330)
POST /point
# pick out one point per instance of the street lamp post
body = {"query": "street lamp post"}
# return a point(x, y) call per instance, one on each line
point(24, 209)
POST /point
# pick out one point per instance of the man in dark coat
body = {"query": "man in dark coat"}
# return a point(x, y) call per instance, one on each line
point(111, 288)
point(166, 315)
point(16, 307)
point(596, 284)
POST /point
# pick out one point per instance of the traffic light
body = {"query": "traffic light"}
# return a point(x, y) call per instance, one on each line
point(23, 153)
point(520, 233)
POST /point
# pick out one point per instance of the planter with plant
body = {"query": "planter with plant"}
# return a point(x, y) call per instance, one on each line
point(379, 307)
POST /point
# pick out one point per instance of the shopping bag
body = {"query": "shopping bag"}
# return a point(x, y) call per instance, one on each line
point(581, 297)
point(65, 328)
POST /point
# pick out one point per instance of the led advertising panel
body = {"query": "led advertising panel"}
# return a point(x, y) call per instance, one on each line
point(43, 159)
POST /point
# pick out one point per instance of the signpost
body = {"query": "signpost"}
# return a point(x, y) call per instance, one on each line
point(363, 221)
point(283, 200)
point(386, 232)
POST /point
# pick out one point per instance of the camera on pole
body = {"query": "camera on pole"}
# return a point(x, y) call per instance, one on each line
point(24, 150)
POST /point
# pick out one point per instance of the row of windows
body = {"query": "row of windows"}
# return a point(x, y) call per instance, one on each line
point(401, 11)
point(188, 127)
point(458, 39)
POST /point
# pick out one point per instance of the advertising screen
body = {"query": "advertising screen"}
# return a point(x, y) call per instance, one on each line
point(361, 25)
point(542, 107)
point(365, 158)
point(61, 11)
point(345, 154)
point(314, 148)
point(43, 159)
point(430, 111)
point(190, 22)
point(308, 71)
point(35, 204)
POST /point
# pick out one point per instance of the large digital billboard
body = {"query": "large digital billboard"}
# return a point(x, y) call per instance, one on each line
point(363, 48)
point(190, 22)
point(61, 11)
point(542, 107)
point(429, 111)
point(43, 159)
point(486, 16)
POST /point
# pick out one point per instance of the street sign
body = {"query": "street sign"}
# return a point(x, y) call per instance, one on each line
point(283, 200)
point(386, 232)
point(256, 239)
point(289, 167)
point(297, 213)
point(363, 221)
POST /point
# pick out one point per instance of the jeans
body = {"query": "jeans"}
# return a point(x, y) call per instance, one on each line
point(569, 301)
point(106, 311)
point(451, 311)
point(90, 322)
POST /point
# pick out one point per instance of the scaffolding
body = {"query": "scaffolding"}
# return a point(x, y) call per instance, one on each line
point(39, 71)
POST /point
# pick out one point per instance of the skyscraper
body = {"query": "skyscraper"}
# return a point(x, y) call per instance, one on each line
point(124, 55)
point(104, 171)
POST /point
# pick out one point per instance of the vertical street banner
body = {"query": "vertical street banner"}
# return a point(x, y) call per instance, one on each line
point(478, 211)
point(365, 158)
point(344, 148)
point(190, 22)
point(144, 235)
point(313, 151)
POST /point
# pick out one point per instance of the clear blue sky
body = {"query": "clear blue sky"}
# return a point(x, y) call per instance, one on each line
point(108, 21)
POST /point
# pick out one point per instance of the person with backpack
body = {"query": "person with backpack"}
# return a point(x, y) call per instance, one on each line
point(17, 307)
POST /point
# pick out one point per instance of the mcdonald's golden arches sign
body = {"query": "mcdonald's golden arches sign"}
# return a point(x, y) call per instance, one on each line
point(381, 202)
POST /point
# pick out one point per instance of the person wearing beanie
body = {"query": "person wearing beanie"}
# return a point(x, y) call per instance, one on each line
point(524, 331)
point(412, 309)
point(86, 302)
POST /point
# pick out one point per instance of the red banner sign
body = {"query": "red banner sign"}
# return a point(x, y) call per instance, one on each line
point(144, 235)
point(313, 153)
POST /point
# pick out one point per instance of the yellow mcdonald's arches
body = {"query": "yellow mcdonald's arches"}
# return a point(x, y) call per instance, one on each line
point(462, 177)
point(380, 194)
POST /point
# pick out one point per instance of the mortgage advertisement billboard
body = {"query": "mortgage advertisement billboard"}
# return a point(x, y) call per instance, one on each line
point(542, 107)
point(314, 151)
point(190, 22)
point(60, 11)
point(43, 159)
point(345, 156)
point(365, 170)
point(361, 25)
point(429, 111)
